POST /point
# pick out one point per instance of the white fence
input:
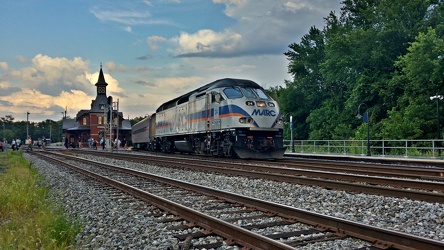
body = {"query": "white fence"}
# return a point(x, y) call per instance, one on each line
point(395, 148)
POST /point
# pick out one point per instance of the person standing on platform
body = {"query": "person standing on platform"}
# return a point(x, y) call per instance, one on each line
point(29, 142)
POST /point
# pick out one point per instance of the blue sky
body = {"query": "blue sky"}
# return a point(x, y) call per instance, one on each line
point(151, 50)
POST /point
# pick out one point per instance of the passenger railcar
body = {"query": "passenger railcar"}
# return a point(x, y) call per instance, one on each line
point(228, 117)
point(140, 134)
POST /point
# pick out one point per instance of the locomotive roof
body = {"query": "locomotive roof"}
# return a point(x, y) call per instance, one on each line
point(226, 82)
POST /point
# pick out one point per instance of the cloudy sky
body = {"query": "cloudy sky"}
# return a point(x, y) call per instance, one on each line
point(151, 50)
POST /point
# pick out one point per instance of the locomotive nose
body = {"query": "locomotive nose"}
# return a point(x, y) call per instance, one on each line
point(266, 143)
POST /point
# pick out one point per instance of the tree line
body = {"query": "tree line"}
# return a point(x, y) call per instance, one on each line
point(48, 129)
point(386, 54)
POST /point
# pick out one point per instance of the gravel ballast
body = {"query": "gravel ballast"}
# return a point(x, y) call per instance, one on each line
point(109, 223)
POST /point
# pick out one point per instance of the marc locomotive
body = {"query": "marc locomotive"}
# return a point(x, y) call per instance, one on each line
point(228, 117)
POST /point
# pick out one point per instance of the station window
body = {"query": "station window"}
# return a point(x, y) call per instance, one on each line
point(99, 120)
point(84, 120)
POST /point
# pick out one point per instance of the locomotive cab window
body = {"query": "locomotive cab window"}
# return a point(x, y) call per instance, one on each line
point(249, 93)
point(233, 93)
point(255, 93)
point(216, 97)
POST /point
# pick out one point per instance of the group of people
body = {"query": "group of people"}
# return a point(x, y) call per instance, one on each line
point(116, 144)
point(15, 144)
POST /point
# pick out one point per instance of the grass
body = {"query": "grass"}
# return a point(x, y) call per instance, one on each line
point(28, 219)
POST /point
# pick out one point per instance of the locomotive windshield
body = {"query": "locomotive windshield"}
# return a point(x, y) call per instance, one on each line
point(233, 93)
point(238, 92)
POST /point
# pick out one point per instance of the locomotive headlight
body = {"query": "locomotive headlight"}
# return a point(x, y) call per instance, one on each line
point(246, 120)
point(261, 104)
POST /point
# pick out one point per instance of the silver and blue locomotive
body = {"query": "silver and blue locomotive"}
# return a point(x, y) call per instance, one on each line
point(228, 117)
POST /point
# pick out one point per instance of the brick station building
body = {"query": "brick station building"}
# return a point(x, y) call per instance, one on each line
point(91, 123)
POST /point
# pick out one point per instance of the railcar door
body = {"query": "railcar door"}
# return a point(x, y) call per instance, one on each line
point(208, 115)
point(214, 101)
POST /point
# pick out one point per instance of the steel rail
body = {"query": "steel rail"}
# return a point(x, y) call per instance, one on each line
point(365, 168)
point(407, 183)
point(294, 176)
point(231, 232)
point(380, 237)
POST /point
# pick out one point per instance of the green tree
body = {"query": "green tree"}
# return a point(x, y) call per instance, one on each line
point(307, 90)
point(420, 75)
point(354, 60)
point(136, 120)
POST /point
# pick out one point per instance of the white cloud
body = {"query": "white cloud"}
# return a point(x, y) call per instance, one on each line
point(127, 15)
point(148, 3)
point(48, 83)
point(263, 27)
point(46, 72)
point(154, 40)
point(22, 59)
point(149, 97)
point(113, 84)
point(4, 65)
point(5, 85)
point(207, 40)
point(175, 86)
point(112, 67)
point(128, 29)
point(35, 102)
point(232, 68)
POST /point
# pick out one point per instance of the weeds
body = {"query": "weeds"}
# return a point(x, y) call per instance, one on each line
point(28, 219)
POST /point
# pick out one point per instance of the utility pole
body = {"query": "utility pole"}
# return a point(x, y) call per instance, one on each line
point(117, 124)
point(27, 130)
point(110, 146)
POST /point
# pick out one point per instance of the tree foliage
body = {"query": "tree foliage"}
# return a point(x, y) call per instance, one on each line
point(386, 54)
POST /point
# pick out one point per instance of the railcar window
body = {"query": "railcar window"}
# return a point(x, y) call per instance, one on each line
point(233, 93)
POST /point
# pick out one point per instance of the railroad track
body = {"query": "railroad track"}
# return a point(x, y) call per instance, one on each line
point(388, 170)
point(240, 209)
point(431, 191)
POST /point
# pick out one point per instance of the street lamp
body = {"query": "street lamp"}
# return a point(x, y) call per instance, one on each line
point(437, 97)
point(4, 138)
point(365, 119)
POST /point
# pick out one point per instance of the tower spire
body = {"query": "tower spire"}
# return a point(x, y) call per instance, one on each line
point(101, 81)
